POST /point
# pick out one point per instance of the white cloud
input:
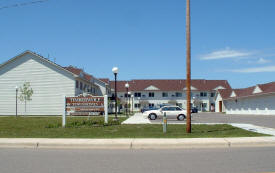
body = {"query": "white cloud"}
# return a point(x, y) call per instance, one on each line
point(225, 53)
point(259, 61)
point(262, 61)
point(255, 69)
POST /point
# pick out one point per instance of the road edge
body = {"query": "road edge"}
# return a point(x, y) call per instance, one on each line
point(137, 143)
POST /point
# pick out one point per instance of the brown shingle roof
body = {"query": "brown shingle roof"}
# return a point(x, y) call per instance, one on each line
point(225, 93)
point(268, 87)
point(77, 71)
point(170, 84)
point(247, 92)
point(105, 80)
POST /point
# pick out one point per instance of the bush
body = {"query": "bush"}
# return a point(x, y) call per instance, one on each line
point(84, 123)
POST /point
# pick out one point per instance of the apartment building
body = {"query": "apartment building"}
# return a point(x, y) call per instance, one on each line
point(152, 93)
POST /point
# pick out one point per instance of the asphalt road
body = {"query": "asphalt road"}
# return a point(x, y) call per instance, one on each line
point(231, 160)
point(260, 120)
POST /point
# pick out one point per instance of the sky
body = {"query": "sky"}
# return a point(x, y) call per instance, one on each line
point(230, 39)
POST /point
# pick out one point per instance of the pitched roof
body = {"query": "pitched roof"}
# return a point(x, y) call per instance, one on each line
point(248, 92)
point(105, 80)
point(268, 87)
point(38, 56)
point(225, 93)
point(79, 72)
point(169, 84)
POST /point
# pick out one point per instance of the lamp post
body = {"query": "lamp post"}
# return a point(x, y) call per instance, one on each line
point(127, 88)
point(129, 106)
point(139, 104)
point(16, 93)
point(115, 71)
point(132, 96)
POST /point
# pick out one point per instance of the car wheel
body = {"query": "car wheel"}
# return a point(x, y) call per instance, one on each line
point(152, 116)
point(181, 117)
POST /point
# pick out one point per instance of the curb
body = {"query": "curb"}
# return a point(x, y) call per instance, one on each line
point(150, 143)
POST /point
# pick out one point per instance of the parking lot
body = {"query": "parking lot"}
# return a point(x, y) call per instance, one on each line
point(260, 120)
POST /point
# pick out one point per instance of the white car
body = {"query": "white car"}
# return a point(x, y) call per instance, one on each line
point(171, 112)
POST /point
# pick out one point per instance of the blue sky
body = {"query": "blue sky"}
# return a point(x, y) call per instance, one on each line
point(231, 39)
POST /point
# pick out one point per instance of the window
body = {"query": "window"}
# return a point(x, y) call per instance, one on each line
point(165, 109)
point(151, 104)
point(81, 85)
point(179, 104)
point(212, 94)
point(137, 94)
point(127, 95)
point(172, 108)
point(178, 94)
point(151, 94)
point(178, 109)
point(203, 94)
point(137, 105)
point(76, 84)
point(164, 94)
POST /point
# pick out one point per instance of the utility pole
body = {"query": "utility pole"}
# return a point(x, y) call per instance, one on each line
point(188, 68)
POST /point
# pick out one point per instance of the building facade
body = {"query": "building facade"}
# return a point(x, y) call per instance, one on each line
point(153, 93)
point(50, 84)
point(257, 99)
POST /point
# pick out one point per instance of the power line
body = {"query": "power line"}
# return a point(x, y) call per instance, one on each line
point(22, 4)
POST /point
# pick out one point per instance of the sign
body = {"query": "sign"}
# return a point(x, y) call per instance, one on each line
point(85, 105)
point(88, 105)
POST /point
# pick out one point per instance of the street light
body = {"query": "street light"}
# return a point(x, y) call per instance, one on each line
point(16, 93)
point(132, 96)
point(139, 104)
point(127, 87)
point(115, 71)
point(129, 106)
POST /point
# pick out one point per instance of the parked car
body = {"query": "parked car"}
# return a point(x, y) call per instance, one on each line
point(194, 110)
point(171, 112)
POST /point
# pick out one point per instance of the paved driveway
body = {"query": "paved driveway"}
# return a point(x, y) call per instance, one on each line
point(260, 120)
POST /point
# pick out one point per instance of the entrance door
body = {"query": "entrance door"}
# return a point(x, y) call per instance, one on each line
point(220, 106)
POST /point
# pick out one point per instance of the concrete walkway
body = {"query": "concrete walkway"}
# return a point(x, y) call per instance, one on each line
point(137, 119)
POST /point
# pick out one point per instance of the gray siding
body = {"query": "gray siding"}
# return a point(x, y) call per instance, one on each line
point(49, 83)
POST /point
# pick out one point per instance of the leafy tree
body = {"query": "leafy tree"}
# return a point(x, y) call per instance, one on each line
point(26, 93)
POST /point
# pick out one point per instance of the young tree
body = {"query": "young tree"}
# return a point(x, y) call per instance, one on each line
point(26, 93)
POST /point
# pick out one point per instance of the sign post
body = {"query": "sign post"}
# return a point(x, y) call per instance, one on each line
point(105, 109)
point(64, 114)
point(164, 123)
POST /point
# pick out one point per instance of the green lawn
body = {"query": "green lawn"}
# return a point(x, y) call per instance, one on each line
point(79, 127)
